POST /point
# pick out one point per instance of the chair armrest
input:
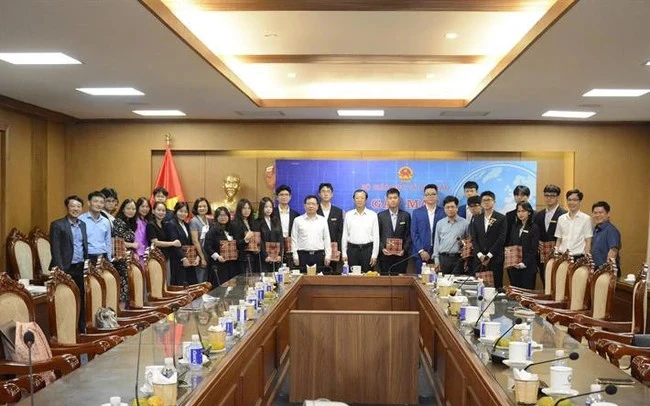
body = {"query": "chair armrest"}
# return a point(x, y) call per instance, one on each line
point(616, 351)
point(547, 307)
point(181, 301)
point(128, 330)
point(562, 318)
point(108, 337)
point(641, 368)
point(93, 347)
point(593, 336)
point(148, 318)
point(64, 364)
point(22, 383)
point(578, 331)
point(615, 326)
point(162, 308)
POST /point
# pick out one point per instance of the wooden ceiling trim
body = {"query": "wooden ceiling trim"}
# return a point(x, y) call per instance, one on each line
point(364, 103)
point(551, 16)
point(364, 5)
point(364, 59)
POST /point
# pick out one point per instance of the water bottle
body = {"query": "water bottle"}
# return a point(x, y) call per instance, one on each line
point(596, 397)
point(561, 362)
point(345, 269)
point(525, 337)
point(196, 353)
point(480, 287)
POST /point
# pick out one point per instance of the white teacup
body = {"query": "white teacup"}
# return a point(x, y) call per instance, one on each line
point(356, 269)
point(149, 372)
point(517, 351)
point(25, 282)
point(455, 302)
point(295, 271)
point(471, 314)
point(630, 277)
point(490, 329)
point(489, 293)
point(561, 377)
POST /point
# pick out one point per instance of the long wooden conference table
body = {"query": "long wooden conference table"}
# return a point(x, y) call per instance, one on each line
point(254, 365)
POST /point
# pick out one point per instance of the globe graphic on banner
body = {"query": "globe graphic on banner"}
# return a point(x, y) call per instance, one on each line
point(500, 178)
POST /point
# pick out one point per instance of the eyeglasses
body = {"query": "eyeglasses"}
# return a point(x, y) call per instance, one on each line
point(431, 194)
point(549, 195)
point(487, 199)
point(573, 199)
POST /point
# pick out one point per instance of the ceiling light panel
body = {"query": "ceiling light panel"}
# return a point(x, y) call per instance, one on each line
point(568, 114)
point(616, 92)
point(160, 113)
point(110, 91)
point(38, 58)
point(360, 113)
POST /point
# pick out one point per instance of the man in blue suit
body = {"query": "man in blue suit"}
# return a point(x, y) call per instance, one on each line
point(423, 225)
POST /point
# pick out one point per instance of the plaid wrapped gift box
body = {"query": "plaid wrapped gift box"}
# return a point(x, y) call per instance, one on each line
point(119, 249)
point(336, 254)
point(485, 274)
point(466, 248)
point(287, 245)
point(513, 255)
point(254, 244)
point(393, 246)
point(228, 250)
point(273, 251)
point(546, 249)
point(190, 253)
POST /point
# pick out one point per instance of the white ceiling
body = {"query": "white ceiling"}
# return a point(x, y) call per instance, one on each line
point(598, 43)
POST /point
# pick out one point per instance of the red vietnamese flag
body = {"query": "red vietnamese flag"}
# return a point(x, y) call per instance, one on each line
point(168, 178)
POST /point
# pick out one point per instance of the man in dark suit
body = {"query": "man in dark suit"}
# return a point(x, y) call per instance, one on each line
point(394, 223)
point(521, 193)
point(334, 217)
point(470, 188)
point(286, 215)
point(424, 225)
point(69, 248)
point(546, 220)
point(488, 232)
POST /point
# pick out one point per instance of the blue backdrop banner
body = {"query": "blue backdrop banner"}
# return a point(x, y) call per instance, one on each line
point(409, 177)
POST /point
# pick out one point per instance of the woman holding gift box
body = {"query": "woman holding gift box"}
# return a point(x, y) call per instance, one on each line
point(247, 235)
point(524, 233)
point(184, 259)
point(221, 248)
point(124, 228)
point(271, 241)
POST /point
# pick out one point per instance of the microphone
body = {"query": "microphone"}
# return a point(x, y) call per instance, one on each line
point(174, 307)
point(609, 389)
point(140, 327)
point(498, 359)
point(401, 261)
point(572, 356)
point(28, 339)
point(204, 350)
point(477, 332)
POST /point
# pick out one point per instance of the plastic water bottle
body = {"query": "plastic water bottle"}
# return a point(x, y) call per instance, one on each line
point(345, 269)
point(559, 363)
point(596, 397)
point(525, 337)
point(196, 353)
point(480, 287)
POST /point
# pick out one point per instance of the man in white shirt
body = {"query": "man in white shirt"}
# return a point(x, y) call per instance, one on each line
point(310, 237)
point(360, 241)
point(574, 230)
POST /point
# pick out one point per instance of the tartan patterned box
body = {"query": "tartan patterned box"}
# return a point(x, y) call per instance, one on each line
point(467, 248)
point(228, 250)
point(287, 246)
point(393, 245)
point(546, 249)
point(336, 254)
point(254, 244)
point(119, 249)
point(485, 274)
point(273, 251)
point(190, 253)
point(513, 255)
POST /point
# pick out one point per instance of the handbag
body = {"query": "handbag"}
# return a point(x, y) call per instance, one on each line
point(105, 319)
point(513, 256)
point(484, 273)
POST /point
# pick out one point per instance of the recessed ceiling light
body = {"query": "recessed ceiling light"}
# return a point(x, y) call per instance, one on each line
point(451, 35)
point(291, 75)
point(647, 63)
point(616, 92)
point(160, 113)
point(38, 58)
point(360, 113)
point(110, 91)
point(568, 114)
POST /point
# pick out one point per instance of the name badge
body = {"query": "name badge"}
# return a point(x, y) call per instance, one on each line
point(402, 222)
point(553, 221)
point(525, 231)
point(333, 219)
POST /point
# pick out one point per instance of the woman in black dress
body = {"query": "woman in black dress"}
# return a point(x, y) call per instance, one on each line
point(183, 271)
point(220, 230)
point(244, 228)
point(156, 234)
point(271, 231)
point(525, 233)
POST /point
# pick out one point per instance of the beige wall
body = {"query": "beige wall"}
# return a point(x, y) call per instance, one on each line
point(34, 161)
point(607, 162)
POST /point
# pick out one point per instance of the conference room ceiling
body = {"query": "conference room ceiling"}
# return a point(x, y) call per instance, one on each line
point(254, 59)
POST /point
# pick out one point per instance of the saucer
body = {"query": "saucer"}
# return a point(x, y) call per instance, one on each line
point(488, 340)
point(121, 404)
point(559, 392)
point(517, 364)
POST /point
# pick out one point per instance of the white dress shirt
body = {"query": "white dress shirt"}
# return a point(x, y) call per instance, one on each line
point(285, 219)
point(326, 212)
point(310, 234)
point(361, 228)
point(573, 232)
point(548, 216)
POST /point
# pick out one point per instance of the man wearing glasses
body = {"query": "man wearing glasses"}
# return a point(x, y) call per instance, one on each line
point(423, 225)
point(546, 221)
point(488, 232)
point(574, 230)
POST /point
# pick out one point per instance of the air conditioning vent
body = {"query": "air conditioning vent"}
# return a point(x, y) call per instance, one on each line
point(260, 113)
point(464, 113)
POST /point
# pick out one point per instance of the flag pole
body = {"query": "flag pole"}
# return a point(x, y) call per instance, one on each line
point(168, 138)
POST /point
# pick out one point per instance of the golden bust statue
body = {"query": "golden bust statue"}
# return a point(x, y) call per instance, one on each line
point(231, 185)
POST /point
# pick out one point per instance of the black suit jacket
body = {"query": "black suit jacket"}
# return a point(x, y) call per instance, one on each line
point(61, 246)
point(511, 219)
point(292, 216)
point(529, 241)
point(540, 218)
point(402, 230)
point(495, 238)
point(175, 232)
point(334, 223)
point(273, 234)
point(213, 240)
